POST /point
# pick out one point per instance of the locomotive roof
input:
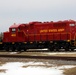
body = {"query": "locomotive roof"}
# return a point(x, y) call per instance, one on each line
point(15, 26)
point(35, 23)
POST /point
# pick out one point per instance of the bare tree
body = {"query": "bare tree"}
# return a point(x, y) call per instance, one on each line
point(1, 36)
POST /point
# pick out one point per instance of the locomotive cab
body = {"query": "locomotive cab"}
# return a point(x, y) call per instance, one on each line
point(17, 33)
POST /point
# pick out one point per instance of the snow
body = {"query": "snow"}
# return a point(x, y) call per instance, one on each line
point(16, 68)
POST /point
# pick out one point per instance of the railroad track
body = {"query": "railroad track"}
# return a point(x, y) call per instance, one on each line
point(40, 57)
point(38, 50)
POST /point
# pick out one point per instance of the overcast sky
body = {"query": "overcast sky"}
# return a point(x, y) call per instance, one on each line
point(24, 11)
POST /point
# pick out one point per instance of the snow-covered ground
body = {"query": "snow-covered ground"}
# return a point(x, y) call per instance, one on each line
point(32, 68)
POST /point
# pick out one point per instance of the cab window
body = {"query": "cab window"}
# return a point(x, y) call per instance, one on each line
point(72, 24)
point(13, 30)
point(18, 29)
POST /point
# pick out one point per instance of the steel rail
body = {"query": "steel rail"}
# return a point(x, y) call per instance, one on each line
point(40, 57)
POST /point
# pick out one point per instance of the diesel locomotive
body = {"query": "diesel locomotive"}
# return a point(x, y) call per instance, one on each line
point(39, 35)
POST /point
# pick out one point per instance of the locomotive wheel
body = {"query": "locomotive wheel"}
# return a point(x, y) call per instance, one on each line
point(66, 49)
point(25, 49)
point(17, 49)
point(6, 48)
point(56, 48)
point(51, 48)
point(72, 49)
point(10, 49)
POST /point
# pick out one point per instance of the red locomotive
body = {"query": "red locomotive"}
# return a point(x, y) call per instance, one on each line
point(37, 35)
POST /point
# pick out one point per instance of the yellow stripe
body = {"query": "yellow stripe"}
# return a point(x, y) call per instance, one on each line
point(13, 42)
point(68, 40)
point(25, 42)
point(13, 35)
point(40, 42)
point(31, 42)
point(1, 43)
point(51, 41)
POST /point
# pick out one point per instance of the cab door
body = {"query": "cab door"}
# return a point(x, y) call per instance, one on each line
point(13, 34)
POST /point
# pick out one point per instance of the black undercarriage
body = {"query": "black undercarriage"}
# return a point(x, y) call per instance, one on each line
point(51, 45)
